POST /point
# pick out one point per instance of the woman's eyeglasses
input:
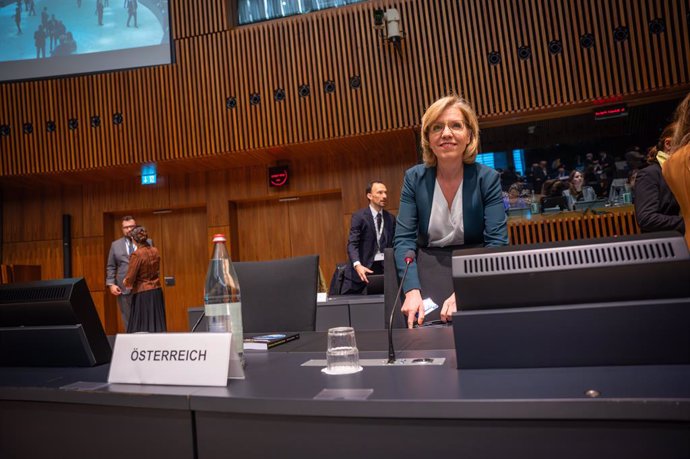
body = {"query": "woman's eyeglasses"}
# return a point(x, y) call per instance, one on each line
point(454, 126)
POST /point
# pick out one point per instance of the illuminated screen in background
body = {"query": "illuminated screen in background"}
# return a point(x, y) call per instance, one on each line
point(249, 11)
point(46, 38)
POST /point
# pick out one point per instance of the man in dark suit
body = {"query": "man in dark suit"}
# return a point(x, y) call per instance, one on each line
point(116, 267)
point(371, 231)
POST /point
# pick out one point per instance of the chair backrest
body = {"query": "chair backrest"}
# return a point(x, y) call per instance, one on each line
point(279, 295)
point(434, 266)
point(337, 280)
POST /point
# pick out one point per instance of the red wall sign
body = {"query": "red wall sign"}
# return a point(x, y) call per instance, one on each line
point(605, 113)
point(278, 176)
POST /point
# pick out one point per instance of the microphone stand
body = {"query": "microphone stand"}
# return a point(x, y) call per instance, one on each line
point(409, 258)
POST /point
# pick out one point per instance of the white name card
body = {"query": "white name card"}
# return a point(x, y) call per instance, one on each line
point(181, 359)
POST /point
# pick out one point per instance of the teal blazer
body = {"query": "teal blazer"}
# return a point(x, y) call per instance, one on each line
point(484, 216)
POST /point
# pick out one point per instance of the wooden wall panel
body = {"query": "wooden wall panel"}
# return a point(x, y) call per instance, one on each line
point(33, 214)
point(314, 227)
point(47, 254)
point(187, 190)
point(88, 261)
point(263, 230)
point(72, 206)
point(12, 223)
point(181, 236)
point(178, 111)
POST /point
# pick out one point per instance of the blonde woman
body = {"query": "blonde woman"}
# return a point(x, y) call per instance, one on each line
point(676, 168)
point(450, 200)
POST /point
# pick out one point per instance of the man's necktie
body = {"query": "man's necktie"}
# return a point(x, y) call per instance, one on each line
point(379, 219)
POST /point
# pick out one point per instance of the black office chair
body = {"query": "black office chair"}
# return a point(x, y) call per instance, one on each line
point(336, 287)
point(434, 266)
point(279, 295)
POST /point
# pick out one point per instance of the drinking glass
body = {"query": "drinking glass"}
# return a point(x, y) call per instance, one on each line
point(342, 356)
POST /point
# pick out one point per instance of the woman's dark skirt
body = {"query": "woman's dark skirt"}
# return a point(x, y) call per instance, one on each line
point(148, 312)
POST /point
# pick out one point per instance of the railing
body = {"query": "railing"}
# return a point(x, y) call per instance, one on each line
point(567, 226)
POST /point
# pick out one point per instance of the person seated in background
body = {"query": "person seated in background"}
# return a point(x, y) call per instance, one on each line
point(551, 195)
point(576, 190)
point(450, 201)
point(592, 176)
point(635, 158)
point(556, 164)
point(607, 171)
point(513, 200)
point(656, 209)
point(508, 177)
point(676, 168)
point(539, 175)
point(562, 173)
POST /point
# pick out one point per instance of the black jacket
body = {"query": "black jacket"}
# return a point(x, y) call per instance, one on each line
point(656, 209)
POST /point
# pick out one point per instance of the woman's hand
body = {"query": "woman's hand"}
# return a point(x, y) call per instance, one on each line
point(449, 307)
point(413, 305)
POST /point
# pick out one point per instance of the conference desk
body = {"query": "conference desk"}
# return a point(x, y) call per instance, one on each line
point(363, 312)
point(285, 409)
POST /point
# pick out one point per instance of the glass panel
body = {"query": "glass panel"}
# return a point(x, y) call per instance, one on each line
point(486, 159)
point(519, 160)
point(250, 11)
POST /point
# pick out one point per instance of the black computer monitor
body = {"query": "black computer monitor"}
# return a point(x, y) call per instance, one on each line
point(50, 323)
point(596, 204)
point(638, 267)
point(375, 284)
point(554, 203)
point(609, 301)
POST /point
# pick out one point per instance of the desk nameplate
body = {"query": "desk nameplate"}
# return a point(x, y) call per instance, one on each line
point(185, 359)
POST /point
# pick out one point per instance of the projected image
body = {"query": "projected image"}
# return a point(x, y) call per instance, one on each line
point(43, 38)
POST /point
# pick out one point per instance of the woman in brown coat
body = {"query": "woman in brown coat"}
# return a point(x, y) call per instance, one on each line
point(143, 277)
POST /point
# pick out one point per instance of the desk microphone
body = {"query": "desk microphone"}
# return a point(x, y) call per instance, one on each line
point(409, 258)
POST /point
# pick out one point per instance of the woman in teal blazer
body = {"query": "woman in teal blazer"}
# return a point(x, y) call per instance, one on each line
point(469, 207)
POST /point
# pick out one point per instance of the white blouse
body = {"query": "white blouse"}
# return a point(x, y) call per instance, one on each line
point(445, 225)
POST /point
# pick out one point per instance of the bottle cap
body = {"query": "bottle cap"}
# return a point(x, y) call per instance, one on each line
point(219, 238)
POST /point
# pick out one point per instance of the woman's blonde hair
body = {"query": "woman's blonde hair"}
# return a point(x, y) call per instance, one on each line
point(434, 112)
point(682, 119)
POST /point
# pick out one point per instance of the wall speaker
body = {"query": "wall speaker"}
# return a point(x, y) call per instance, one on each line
point(555, 47)
point(494, 58)
point(67, 245)
point(587, 40)
point(279, 95)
